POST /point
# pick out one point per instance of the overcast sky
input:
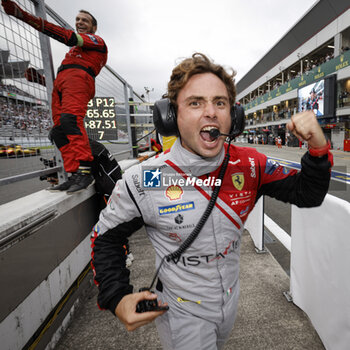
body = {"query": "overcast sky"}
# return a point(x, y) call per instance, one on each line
point(146, 38)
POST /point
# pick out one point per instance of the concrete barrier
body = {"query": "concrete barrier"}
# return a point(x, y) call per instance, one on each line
point(320, 260)
point(44, 247)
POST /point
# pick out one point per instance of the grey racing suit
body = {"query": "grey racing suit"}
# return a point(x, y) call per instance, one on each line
point(168, 194)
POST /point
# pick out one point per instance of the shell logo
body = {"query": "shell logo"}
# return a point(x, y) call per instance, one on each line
point(174, 192)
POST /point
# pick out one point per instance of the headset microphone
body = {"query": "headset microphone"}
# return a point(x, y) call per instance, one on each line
point(215, 133)
point(237, 124)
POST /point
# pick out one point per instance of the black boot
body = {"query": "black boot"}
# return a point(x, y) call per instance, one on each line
point(82, 180)
point(63, 186)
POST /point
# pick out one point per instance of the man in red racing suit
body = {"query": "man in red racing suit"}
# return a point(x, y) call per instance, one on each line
point(168, 194)
point(73, 88)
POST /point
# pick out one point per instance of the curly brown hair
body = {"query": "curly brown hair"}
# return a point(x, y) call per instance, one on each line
point(198, 64)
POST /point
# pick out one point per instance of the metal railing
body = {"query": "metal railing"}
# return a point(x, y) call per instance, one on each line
point(24, 105)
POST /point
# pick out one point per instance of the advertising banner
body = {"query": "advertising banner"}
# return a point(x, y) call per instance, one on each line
point(309, 77)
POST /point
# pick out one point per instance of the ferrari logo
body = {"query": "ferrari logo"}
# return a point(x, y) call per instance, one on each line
point(238, 180)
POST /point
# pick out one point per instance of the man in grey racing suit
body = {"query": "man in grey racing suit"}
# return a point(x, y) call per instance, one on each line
point(169, 193)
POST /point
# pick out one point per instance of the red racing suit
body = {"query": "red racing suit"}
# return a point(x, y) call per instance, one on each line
point(73, 88)
point(161, 194)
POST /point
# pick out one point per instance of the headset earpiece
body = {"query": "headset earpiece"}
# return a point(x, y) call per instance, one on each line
point(237, 120)
point(164, 118)
point(233, 119)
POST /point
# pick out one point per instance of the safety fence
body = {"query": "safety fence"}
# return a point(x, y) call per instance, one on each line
point(27, 73)
point(320, 258)
point(24, 105)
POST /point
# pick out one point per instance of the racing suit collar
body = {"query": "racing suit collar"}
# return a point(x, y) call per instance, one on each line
point(193, 163)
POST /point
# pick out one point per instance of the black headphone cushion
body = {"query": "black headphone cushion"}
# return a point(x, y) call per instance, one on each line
point(164, 118)
point(237, 120)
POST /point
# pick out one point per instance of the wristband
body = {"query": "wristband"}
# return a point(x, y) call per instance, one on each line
point(319, 152)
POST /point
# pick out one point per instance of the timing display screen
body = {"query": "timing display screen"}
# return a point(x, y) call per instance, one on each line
point(100, 119)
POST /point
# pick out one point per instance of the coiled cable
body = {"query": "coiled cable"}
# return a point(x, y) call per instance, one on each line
point(193, 235)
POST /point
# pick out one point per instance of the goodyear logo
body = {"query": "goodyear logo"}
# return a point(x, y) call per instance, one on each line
point(170, 209)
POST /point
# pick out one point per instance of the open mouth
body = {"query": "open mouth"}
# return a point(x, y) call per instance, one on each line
point(205, 133)
point(80, 29)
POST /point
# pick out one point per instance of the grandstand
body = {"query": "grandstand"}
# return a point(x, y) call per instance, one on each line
point(313, 55)
point(10, 70)
point(21, 113)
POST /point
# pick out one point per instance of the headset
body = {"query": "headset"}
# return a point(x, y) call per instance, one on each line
point(165, 119)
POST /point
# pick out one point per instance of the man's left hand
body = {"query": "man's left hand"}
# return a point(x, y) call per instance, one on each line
point(12, 9)
point(305, 127)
